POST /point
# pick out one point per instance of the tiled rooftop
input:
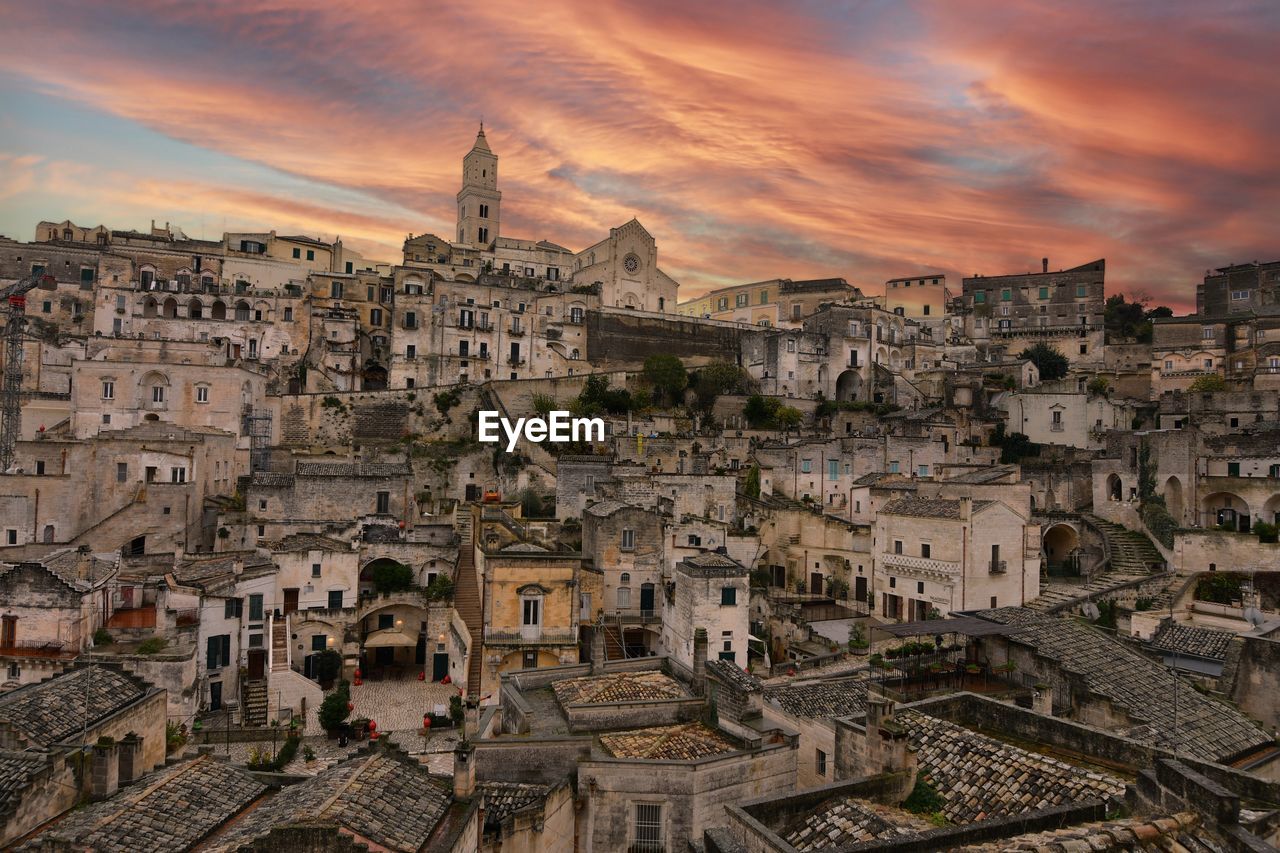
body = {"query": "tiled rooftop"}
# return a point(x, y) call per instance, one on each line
point(733, 675)
point(928, 507)
point(64, 564)
point(603, 509)
point(1190, 640)
point(712, 560)
point(618, 687)
point(16, 770)
point(56, 709)
point(980, 777)
point(352, 469)
point(845, 820)
point(1206, 728)
point(502, 799)
point(384, 797)
point(170, 809)
point(1135, 833)
point(309, 542)
point(821, 698)
point(685, 742)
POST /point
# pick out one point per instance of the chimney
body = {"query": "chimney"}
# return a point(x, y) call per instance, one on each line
point(1044, 265)
point(966, 508)
point(700, 661)
point(597, 649)
point(104, 775)
point(464, 771)
point(84, 563)
point(237, 567)
point(130, 758)
point(1042, 700)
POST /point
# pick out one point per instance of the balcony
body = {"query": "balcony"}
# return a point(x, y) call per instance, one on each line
point(516, 332)
point(998, 567)
point(519, 637)
point(1056, 426)
point(515, 360)
point(921, 564)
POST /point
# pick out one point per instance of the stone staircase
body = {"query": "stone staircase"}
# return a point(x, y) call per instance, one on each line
point(1132, 556)
point(614, 649)
point(253, 709)
point(280, 644)
point(466, 597)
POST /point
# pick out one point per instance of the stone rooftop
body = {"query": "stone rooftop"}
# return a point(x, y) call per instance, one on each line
point(1207, 729)
point(605, 508)
point(821, 698)
point(980, 777)
point(309, 542)
point(209, 571)
point(684, 742)
point(928, 507)
point(16, 771)
point(55, 710)
point(352, 469)
point(1190, 640)
point(618, 687)
point(65, 565)
point(383, 797)
point(172, 808)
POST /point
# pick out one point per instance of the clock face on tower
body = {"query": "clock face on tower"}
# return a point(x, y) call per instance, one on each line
point(631, 264)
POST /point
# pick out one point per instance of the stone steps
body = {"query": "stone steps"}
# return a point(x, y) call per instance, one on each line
point(253, 710)
point(1132, 557)
point(466, 599)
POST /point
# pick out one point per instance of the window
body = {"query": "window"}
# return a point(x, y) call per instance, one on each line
point(386, 620)
point(893, 467)
point(647, 836)
point(484, 211)
point(722, 304)
point(1044, 293)
point(335, 290)
point(411, 320)
point(202, 393)
point(1233, 469)
point(311, 255)
point(1206, 333)
point(806, 466)
point(628, 540)
point(218, 651)
point(375, 317)
point(833, 468)
point(108, 390)
point(157, 393)
point(315, 570)
point(297, 253)
point(122, 472)
point(335, 599)
point(980, 297)
point(411, 352)
point(728, 595)
point(39, 467)
point(764, 297)
point(11, 537)
point(741, 300)
point(897, 546)
point(532, 615)
point(924, 470)
point(233, 608)
point(1006, 295)
point(319, 642)
point(255, 607)
point(383, 503)
point(575, 315)
point(926, 550)
point(177, 475)
point(820, 762)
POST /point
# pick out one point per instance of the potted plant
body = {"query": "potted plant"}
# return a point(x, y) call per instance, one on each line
point(308, 754)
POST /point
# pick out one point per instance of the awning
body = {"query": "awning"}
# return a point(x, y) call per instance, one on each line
point(389, 638)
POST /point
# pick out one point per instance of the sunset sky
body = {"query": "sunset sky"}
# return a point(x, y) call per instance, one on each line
point(867, 140)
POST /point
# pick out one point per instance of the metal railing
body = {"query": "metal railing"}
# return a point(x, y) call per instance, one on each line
point(998, 567)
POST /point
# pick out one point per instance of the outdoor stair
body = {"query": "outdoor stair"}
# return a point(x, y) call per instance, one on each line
point(466, 598)
point(1132, 558)
point(613, 645)
point(280, 644)
point(254, 708)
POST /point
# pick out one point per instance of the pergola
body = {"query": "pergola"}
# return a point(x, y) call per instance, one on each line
point(970, 627)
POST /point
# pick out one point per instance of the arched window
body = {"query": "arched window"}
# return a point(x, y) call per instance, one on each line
point(150, 308)
point(155, 390)
point(242, 310)
point(219, 310)
point(195, 309)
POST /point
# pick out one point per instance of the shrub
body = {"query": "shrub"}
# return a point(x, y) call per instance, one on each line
point(1267, 532)
point(1212, 382)
point(328, 666)
point(751, 486)
point(857, 636)
point(333, 708)
point(1099, 386)
point(446, 400)
point(1218, 588)
point(924, 798)
point(175, 737)
point(1158, 520)
point(760, 411)
point(666, 373)
point(152, 645)
point(102, 637)
point(440, 588)
point(456, 712)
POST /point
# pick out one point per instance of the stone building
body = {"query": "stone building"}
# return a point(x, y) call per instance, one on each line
point(779, 302)
point(626, 544)
point(710, 592)
point(1064, 309)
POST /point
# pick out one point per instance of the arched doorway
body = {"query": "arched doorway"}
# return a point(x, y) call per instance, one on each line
point(1271, 510)
point(1061, 543)
point(1115, 489)
point(375, 376)
point(1173, 500)
point(170, 308)
point(1226, 511)
point(219, 310)
point(849, 386)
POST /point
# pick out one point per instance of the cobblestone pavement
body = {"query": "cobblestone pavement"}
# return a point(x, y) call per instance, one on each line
point(396, 706)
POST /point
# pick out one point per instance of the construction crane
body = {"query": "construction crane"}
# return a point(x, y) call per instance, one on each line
point(15, 296)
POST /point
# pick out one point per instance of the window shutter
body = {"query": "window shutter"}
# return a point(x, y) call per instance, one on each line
point(211, 653)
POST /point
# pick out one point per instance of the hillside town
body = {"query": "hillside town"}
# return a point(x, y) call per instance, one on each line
point(906, 565)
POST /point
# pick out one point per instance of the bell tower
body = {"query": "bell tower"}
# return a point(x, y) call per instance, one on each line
point(479, 199)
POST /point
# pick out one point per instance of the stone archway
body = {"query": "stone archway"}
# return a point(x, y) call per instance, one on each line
point(1115, 489)
point(1173, 499)
point(849, 386)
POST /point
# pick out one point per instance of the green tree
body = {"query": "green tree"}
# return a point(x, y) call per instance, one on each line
point(717, 378)
point(667, 375)
point(788, 418)
point(328, 666)
point(1211, 382)
point(751, 486)
point(1051, 363)
point(392, 577)
point(760, 411)
point(333, 708)
point(1099, 386)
